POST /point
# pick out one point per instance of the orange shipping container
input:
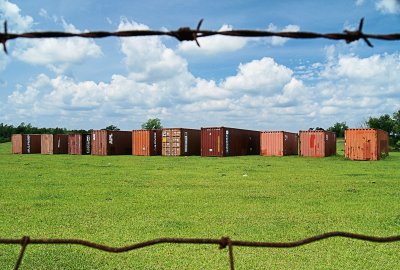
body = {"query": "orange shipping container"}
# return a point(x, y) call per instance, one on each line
point(278, 143)
point(366, 144)
point(317, 143)
point(224, 141)
point(180, 142)
point(26, 143)
point(146, 142)
point(79, 144)
point(111, 142)
point(54, 144)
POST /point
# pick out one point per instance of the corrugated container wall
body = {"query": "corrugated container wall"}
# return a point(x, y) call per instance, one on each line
point(26, 143)
point(111, 142)
point(317, 143)
point(225, 141)
point(54, 144)
point(180, 142)
point(366, 144)
point(146, 142)
point(278, 143)
point(79, 144)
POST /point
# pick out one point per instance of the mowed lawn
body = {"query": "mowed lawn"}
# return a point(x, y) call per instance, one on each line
point(121, 200)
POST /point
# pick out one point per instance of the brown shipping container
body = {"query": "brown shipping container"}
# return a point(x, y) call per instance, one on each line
point(111, 142)
point(180, 142)
point(79, 144)
point(26, 143)
point(225, 141)
point(278, 143)
point(54, 144)
point(317, 143)
point(146, 142)
point(366, 144)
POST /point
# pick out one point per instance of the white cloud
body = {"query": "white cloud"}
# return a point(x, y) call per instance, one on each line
point(57, 54)
point(148, 59)
point(388, 6)
point(12, 13)
point(214, 44)
point(263, 75)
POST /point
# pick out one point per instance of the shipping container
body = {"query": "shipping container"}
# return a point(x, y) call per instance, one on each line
point(225, 141)
point(180, 142)
point(54, 144)
point(79, 144)
point(111, 142)
point(26, 143)
point(366, 144)
point(278, 143)
point(146, 142)
point(317, 143)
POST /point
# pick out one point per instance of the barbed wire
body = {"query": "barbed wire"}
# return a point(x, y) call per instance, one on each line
point(223, 243)
point(188, 34)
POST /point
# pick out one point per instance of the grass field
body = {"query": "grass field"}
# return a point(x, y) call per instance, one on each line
point(120, 200)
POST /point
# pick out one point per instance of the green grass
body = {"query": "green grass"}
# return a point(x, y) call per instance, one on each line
point(120, 200)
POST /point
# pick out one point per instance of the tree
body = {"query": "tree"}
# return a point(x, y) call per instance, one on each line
point(339, 129)
point(152, 123)
point(112, 127)
point(384, 122)
point(396, 128)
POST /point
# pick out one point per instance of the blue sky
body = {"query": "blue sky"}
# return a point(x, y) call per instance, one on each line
point(259, 83)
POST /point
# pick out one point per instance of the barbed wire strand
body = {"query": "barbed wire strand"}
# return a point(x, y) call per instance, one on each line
point(188, 34)
point(223, 243)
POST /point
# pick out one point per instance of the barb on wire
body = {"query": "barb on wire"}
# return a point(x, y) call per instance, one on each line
point(223, 243)
point(188, 34)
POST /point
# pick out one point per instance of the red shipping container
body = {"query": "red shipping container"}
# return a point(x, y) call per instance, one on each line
point(54, 144)
point(278, 143)
point(366, 144)
point(317, 143)
point(111, 142)
point(79, 144)
point(225, 141)
point(26, 143)
point(180, 142)
point(146, 142)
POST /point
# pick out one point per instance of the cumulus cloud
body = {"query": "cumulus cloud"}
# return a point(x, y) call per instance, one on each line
point(57, 54)
point(12, 14)
point(388, 6)
point(359, 2)
point(263, 75)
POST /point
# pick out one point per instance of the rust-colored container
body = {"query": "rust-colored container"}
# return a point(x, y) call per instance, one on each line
point(146, 142)
point(180, 142)
point(54, 144)
point(79, 144)
point(317, 143)
point(111, 142)
point(225, 141)
point(26, 143)
point(366, 144)
point(278, 143)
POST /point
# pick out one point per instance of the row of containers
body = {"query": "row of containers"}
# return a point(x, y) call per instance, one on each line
point(360, 144)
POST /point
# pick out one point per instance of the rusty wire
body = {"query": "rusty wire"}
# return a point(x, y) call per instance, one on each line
point(188, 34)
point(222, 243)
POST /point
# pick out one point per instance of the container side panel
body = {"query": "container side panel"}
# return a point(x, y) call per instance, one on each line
point(31, 144)
point(119, 142)
point(99, 142)
point(60, 144)
point(47, 144)
point(212, 142)
point(16, 140)
point(271, 144)
point(312, 143)
point(75, 144)
point(366, 144)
